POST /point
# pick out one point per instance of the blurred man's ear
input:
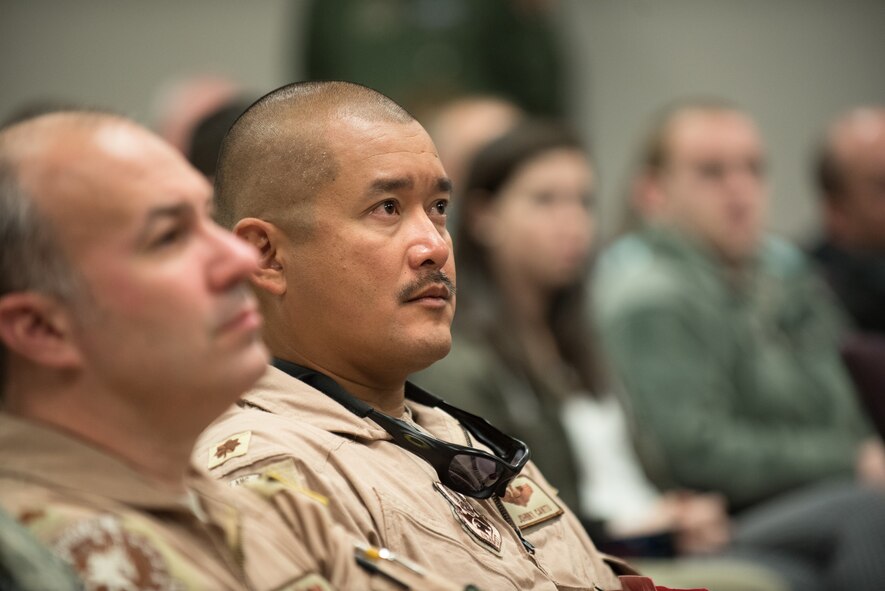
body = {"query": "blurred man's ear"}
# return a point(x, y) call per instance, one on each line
point(265, 237)
point(38, 328)
point(648, 198)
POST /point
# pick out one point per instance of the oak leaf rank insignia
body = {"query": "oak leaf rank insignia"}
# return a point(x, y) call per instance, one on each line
point(232, 447)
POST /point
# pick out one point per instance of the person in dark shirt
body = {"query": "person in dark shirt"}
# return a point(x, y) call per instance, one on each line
point(851, 182)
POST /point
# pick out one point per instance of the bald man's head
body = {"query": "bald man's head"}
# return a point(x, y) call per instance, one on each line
point(851, 179)
point(31, 257)
point(275, 157)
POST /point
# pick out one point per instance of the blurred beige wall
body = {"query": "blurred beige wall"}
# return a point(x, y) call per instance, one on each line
point(117, 53)
point(791, 63)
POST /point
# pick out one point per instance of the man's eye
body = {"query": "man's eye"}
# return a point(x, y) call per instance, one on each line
point(169, 237)
point(756, 168)
point(543, 198)
point(440, 207)
point(388, 207)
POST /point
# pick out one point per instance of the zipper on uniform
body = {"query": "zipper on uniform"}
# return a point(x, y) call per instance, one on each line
point(529, 547)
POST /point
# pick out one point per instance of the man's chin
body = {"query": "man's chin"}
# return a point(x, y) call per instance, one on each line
point(248, 368)
point(429, 352)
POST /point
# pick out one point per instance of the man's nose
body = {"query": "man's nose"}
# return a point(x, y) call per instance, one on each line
point(429, 245)
point(233, 260)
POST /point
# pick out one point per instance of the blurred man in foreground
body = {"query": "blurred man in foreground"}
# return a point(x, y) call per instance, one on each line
point(127, 326)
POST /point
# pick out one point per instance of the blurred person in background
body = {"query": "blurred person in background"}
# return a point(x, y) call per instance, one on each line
point(126, 326)
point(205, 140)
point(728, 346)
point(851, 184)
point(722, 335)
point(523, 356)
point(180, 105)
point(461, 127)
point(851, 252)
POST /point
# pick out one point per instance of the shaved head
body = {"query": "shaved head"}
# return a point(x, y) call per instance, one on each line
point(275, 157)
point(847, 139)
point(851, 179)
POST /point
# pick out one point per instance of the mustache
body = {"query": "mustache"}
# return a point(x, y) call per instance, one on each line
point(432, 278)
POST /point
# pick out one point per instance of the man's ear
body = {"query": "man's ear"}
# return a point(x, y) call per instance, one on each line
point(648, 198)
point(38, 328)
point(266, 238)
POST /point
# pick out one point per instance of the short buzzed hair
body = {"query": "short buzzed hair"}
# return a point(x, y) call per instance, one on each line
point(655, 152)
point(275, 156)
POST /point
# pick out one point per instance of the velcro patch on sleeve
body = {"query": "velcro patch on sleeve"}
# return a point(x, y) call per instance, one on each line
point(232, 447)
point(285, 473)
point(528, 504)
point(273, 478)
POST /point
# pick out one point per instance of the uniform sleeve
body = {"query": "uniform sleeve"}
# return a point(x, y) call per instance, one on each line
point(682, 397)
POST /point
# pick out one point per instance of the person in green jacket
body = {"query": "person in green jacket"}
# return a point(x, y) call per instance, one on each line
point(522, 357)
point(724, 338)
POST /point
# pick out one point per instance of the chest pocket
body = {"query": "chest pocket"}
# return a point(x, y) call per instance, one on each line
point(433, 535)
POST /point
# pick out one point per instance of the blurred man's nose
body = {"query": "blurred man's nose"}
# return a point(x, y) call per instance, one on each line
point(233, 260)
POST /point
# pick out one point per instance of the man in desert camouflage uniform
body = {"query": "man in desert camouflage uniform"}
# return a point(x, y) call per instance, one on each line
point(126, 327)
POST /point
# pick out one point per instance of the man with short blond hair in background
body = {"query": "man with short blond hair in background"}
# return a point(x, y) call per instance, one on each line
point(727, 345)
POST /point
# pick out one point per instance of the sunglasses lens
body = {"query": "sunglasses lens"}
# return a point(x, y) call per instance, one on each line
point(474, 472)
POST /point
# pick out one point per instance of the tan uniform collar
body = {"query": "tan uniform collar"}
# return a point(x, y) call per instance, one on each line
point(279, 393)
point(40, 454)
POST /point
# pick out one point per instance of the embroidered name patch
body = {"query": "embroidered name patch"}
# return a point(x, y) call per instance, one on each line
point(471, 520)
point(244, 479)
point(528, 504)
point(232, 447)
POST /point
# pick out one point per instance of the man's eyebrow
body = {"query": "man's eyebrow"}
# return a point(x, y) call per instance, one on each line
point(444, 184)
point(154, 215)
point(392, 185)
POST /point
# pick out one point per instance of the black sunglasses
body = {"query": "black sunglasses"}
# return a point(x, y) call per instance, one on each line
point(469, 471)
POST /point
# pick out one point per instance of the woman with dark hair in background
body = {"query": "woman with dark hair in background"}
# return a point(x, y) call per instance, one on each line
point(523, 355)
